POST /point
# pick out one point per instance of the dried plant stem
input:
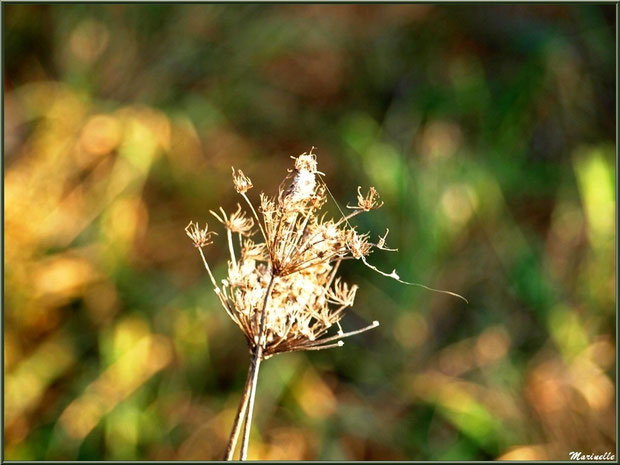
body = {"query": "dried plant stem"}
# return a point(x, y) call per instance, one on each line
point(231, 248)
point(340, 335)
point(216, 288)
point(258, 221)
point(253, 374)
point(204, 260)
point(254, 367)
point(243, 404)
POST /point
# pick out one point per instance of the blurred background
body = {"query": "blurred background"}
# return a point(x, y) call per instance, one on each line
point(489, 131)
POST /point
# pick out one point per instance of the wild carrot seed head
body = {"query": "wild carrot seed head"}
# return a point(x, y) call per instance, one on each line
point(297, 260)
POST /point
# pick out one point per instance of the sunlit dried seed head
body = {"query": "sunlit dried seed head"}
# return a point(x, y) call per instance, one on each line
point(284, 293)
point(241, 182)
point(200, 237)
point(370, 202)
point(358, 244)
point(238, 222)
point(302, 189)
point(306, 162)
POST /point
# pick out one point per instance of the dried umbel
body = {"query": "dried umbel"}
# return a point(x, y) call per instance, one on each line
point(283, 291)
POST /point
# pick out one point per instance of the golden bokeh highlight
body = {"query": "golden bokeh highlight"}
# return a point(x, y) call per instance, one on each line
point(137, 364)
point(314, 396)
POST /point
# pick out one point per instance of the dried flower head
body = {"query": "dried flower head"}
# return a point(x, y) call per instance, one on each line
point(200, 237)
point(306, 162)
point(342, 293)
point(283, 291)
point(238, 222)
point(370, 202)
point(303, 187)
point(241, 182)
point(358, 244)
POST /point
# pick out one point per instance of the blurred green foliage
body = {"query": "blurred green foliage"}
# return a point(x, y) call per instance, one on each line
point(489, 131)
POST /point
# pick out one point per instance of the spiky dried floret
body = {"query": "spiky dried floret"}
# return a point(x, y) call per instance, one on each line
point(238, 222)
point(370, 202)
point(342, 294)
point(241, 182)
point(358, 244)
point(201, 237)
point(307, 162)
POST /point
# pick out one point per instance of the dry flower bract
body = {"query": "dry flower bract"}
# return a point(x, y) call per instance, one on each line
point(283, 291)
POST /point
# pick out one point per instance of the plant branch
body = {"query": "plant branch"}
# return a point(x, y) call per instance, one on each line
point(254, 367)
point(243, 404)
